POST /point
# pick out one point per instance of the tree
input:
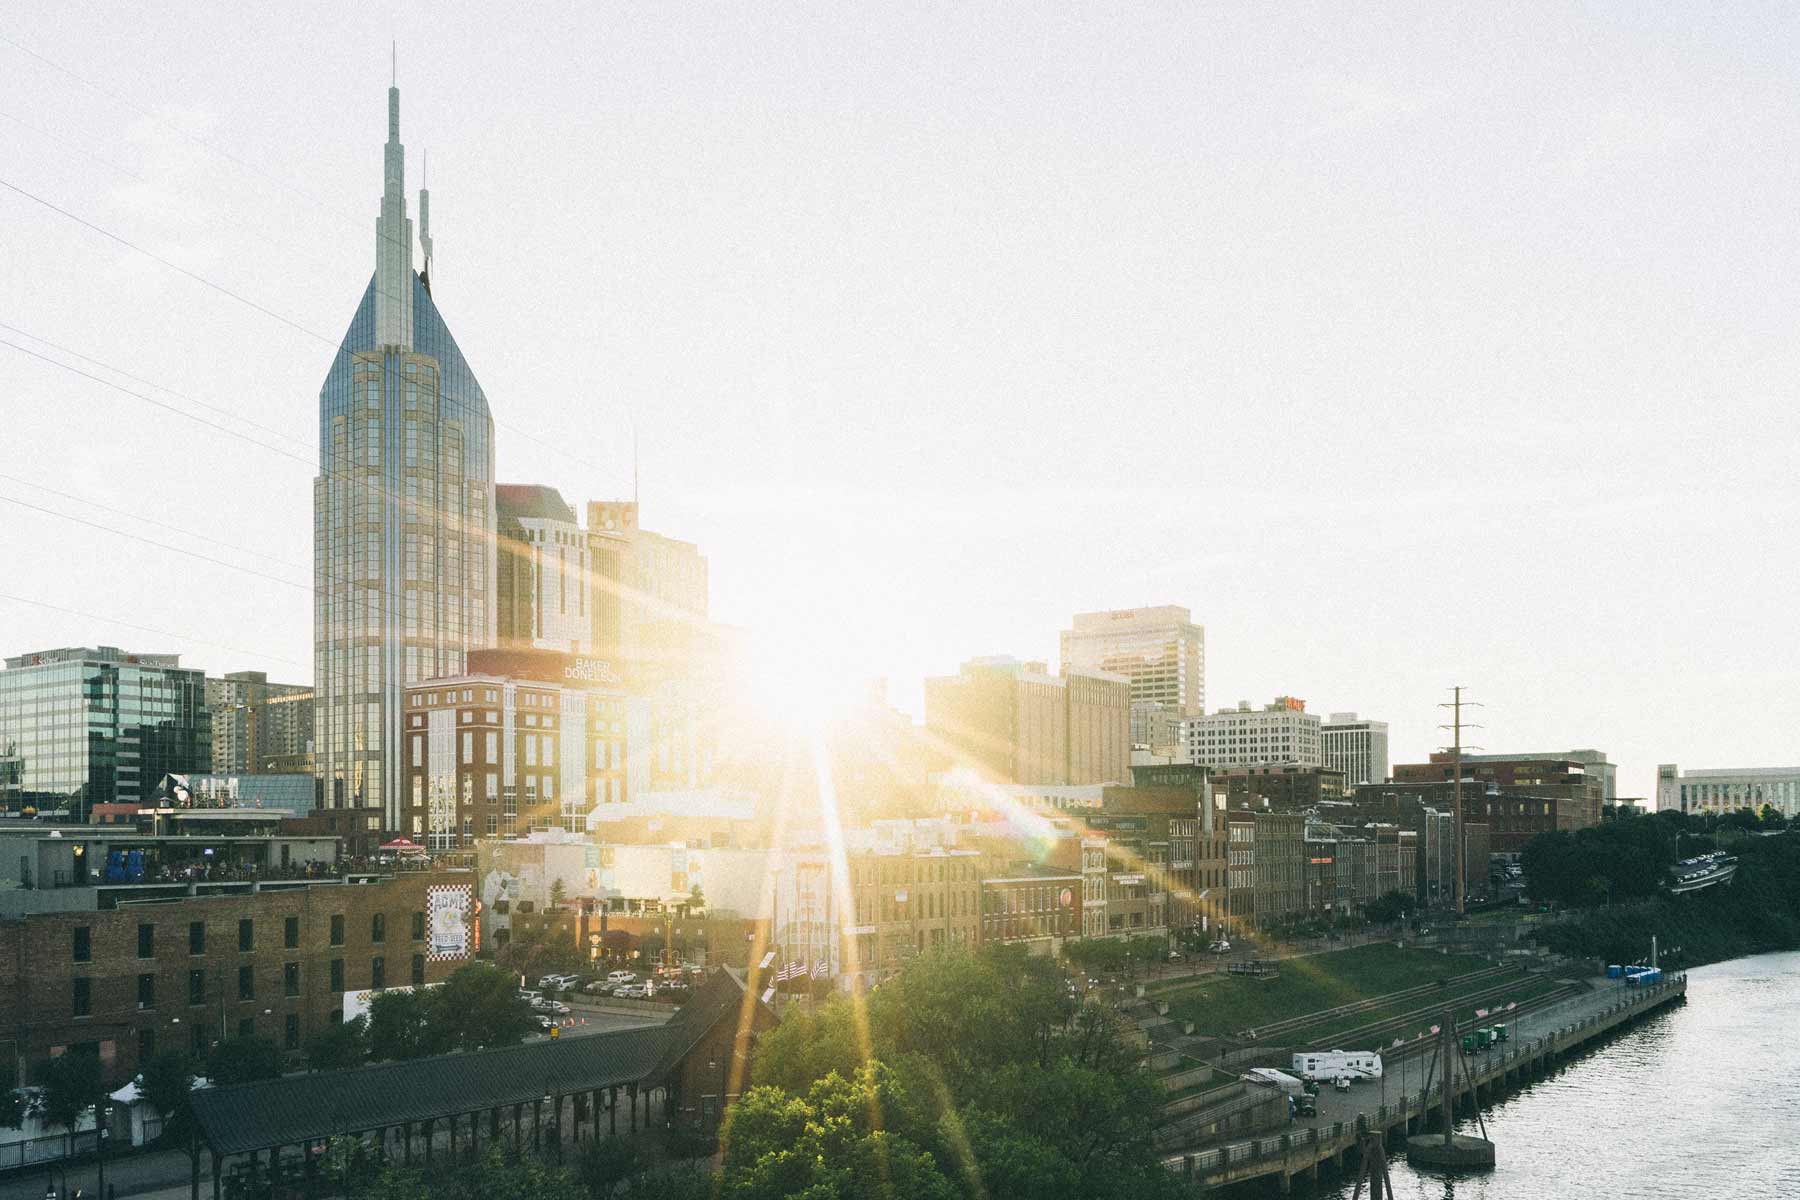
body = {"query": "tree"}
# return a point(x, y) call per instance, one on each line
point(345, 1044)
point(167, 1083)
point(1391, 906)
point(479, 1005)
point(493, 1177)
point(243, 1060)
point(557, 893)
point(71, 1085)
point(401, 1026)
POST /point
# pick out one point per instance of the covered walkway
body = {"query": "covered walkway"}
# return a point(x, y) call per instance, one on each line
point(537, 1095)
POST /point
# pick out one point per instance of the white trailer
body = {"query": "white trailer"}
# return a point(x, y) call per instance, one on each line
point(1326, 1065)
point(1280, 1079)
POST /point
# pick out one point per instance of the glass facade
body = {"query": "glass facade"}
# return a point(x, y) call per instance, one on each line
point(80, 727)
point(403, 519)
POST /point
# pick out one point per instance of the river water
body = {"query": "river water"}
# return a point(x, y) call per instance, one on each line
point(1701, 1100)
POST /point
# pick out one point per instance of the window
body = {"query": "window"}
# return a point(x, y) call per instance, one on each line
point(146, 1045)
point(377, 973)
point(246, 982)
point(418, 927)
point(290, 979)
point(196, 987)
point(246, 935)
point(337, 975)
point(196, 937)
point(146, 941)
point(197, 1038)
point(418, 970)
point(337, 929)
point(82, 1002)
point(147, 991)
point(378, 927)
point(246, 1027)
point(84, 943)
point(290, 1038)
point(290, 933)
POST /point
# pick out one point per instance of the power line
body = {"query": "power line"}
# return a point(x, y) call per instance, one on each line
point(122, 512)
point(120, 371)
point(154, 257)
point(158, 403)
point(186, 637)
point(138, 537)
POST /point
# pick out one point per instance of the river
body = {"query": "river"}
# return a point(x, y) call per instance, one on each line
point(1697, 1101)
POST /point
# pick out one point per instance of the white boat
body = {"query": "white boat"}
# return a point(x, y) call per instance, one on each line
point(1697, 874)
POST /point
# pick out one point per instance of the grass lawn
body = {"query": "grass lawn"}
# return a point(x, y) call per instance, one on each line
point(1224, 1004)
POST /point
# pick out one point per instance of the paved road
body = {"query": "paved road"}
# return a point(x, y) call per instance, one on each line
point(1404, 1069)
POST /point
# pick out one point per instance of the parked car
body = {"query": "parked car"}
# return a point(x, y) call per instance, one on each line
point(1343, 1083)
point(1221, 947)
point(618, 977)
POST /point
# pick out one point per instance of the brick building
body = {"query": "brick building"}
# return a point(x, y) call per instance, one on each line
point(1291, 787)
point(182, 974)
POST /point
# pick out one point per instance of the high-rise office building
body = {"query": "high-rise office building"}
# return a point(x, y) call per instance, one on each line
point(1160, 650)
point(81, 726)
point(1282, 732)
point(244, 736)
point(1014, 722)
point(543, 594)
point(403, 511)
point(1356, 746)
point(640, 580)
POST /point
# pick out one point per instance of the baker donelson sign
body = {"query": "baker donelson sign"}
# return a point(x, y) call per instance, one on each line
point(591, 670)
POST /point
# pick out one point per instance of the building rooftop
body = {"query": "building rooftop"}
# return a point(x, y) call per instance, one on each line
point(100, 654)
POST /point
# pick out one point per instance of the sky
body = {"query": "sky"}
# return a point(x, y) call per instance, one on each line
point(1405, 347)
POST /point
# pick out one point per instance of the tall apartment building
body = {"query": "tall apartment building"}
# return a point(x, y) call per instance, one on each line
point(640, 580)
point(542, 582)
point(1282, 732)
point(1160, 650)
point(403, 511)
point(1727, 789)
point(519, 742)
point(240, 705)
point(1016, 723)
point(1355, 745)
point(82, 726)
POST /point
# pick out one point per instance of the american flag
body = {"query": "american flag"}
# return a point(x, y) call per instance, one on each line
point(818, 969)
point(792, 970)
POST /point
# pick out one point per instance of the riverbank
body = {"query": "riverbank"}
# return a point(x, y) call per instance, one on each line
point(1757, 913)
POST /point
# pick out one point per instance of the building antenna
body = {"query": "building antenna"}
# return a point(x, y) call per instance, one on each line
point(1456, 704)
point(634, 464)
point(394, 52)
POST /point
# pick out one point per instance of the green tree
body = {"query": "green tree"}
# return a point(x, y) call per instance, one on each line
point(71, 1085)
point(401, 1026)
point(558, 893)
point(243, 1060)
point(1391, 906)
point(478, 1005)
point(340, 1045)
point(167, 1082)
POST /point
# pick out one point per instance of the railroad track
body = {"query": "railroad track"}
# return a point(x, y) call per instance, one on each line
point(1380, 1033)
point(1280, 1029)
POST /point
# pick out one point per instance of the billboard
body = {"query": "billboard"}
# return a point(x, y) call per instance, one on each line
point(449, 918)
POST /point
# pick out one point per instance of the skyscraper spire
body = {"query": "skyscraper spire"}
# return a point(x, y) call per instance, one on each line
point(393, 240)
point(425, 221)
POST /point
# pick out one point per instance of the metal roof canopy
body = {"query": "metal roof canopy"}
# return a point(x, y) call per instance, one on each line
point(303, 1108)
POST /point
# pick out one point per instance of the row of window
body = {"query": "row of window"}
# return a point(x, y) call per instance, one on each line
point(82, 994)
point(82, 949)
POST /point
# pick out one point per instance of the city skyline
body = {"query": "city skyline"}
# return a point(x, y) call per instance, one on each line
point(976, 552)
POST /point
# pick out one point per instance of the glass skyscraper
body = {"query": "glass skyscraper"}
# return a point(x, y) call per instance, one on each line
point(403, 512)
point(80, 727)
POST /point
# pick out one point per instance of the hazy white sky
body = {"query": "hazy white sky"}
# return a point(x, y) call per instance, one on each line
point(1405, 347)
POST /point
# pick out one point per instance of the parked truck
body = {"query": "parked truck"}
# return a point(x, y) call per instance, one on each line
point(1318, 1065)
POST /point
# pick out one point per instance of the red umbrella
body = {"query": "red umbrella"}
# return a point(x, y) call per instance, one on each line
point(402, 845)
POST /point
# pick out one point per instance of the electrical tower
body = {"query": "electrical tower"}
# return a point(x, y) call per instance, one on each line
point(1456, 704)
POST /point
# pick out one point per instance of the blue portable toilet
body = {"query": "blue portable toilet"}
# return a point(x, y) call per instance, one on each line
point(1614, 971)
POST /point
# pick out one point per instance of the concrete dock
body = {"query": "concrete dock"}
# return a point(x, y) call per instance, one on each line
point(1402, 1103)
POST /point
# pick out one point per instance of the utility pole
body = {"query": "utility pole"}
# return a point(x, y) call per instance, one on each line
point(1456, 705)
